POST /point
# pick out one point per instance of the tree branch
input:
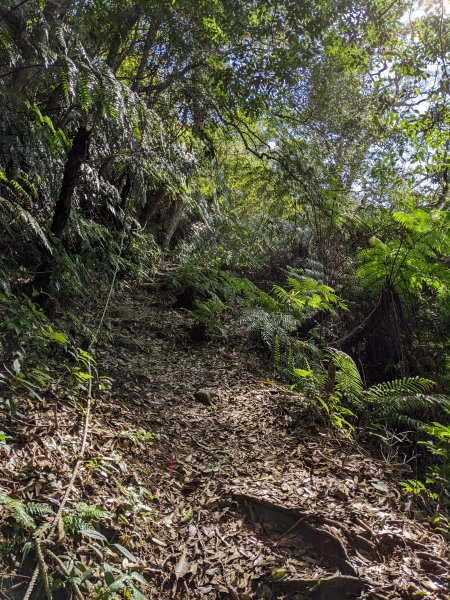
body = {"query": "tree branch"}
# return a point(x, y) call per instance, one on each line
point(173, 76)
point(3, 17)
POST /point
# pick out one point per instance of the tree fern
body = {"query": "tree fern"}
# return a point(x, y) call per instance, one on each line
point(415, 258)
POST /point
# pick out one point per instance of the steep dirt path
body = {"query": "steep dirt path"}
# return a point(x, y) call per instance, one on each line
point(244, 493)
point(225, 437)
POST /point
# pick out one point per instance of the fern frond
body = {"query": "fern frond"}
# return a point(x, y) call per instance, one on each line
point(399, 410)
point(90, 511)
point(406, 385)
point(290, 298)
point(17, 213)
point(307, 348)
point(304, 293)
point(84, 92)
point(36, 509)
point(348, 380)
point(269, 325)
point(312, 269)
point(17, 510)
point(74, 524)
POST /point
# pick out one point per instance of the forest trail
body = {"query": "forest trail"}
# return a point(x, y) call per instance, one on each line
point(289, 164)
point(225, 436)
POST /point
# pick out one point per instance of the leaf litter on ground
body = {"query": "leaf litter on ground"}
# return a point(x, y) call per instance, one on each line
point(183, 531)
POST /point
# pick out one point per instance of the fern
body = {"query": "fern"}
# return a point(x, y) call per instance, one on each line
point(312, 269)
point(270, 325)
point(80, 517)
point(416, 258)
point(397, 410)
point(65, 80)
point(84, 92)
point(22, 216)
point(37, 509)
point(23, 513)
point(304, 296)
point(17, 511)
point(275, 330)
point(406, 385)
point(394, 403)
point(347, 379)
point(75, 525)
point(90, 511)
point(241, 286)
point(220, 285)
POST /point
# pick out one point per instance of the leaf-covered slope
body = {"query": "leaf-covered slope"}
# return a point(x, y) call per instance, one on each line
point(173, 517)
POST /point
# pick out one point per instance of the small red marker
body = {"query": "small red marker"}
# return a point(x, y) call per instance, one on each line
point(171, 466)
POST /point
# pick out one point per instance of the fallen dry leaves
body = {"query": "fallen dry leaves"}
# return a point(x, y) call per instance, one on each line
point(193, 538)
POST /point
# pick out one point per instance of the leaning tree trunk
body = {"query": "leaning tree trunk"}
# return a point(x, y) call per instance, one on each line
point(77, 155)
point(152, 206)
point(161, 216)
point(171, 222)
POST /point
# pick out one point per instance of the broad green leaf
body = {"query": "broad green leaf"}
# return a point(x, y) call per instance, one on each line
point(126, 553)
point(93, 534)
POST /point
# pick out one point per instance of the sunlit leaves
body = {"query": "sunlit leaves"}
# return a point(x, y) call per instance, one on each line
point(304, 292)
point(413, 261)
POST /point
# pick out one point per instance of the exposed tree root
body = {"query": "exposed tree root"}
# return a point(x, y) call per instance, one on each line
point(292, 520)
point(336, 587)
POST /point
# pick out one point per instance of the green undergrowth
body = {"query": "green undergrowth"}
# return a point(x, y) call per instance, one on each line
point(46, 377)
point(406, 407)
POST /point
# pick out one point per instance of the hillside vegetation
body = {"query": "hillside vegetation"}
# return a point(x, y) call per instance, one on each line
point(224, 299)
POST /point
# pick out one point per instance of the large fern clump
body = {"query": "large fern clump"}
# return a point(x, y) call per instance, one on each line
point(278, 323)
point(273, 327)
point(400, 403)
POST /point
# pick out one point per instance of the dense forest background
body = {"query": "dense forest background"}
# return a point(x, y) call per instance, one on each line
point(289, 160)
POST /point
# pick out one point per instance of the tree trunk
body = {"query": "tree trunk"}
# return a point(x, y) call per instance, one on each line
point(171, 223)
point(331, 378)
point(53, 10)
point(125, 192)
point(113, 53)
point(149, 41)
point(151, 207)
point(76, 157)
point(129, 20)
